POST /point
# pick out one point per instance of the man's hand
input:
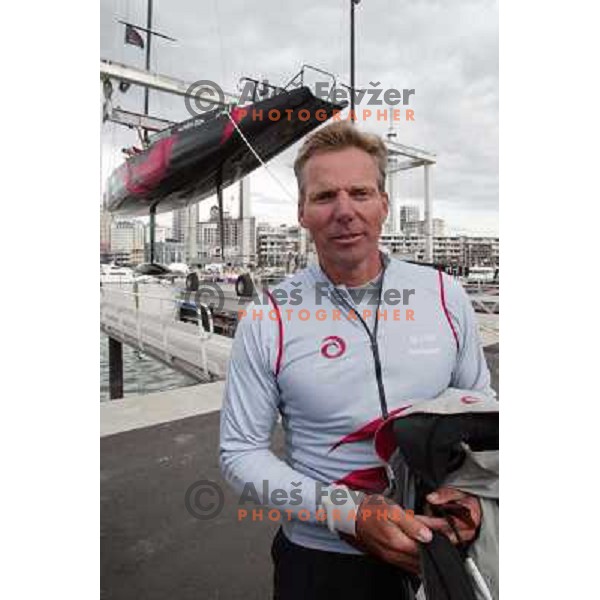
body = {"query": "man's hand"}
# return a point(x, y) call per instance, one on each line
point(464, 509)
point(385, 530)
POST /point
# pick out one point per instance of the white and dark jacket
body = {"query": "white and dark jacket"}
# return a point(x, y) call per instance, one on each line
point(328, 379)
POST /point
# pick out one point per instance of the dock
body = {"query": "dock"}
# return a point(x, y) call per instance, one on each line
point(149, 318)
point(153, 448)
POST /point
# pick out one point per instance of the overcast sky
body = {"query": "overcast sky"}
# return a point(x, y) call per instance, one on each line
point(446, 51)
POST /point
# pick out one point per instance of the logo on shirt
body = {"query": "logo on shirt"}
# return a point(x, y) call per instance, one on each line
point(425, 343)
point(469, 400)
point(333, 347)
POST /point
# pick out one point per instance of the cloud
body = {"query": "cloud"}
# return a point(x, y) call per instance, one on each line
point(446, 51)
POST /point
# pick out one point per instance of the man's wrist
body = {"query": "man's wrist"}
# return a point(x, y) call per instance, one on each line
point(341, 507)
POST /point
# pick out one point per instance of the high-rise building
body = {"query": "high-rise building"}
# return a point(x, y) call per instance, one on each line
point(239, 240)
point(244, 198)
point(191, 234)
point(391, 224)
point(438, 227)
point(408, 214)
point(179, 224)
point(279, 246)
point(248, 224)
point(248, 241)
point(166, 251)
point(160, 234)
point(184, 229)
point(106, 220)
point(127, 239)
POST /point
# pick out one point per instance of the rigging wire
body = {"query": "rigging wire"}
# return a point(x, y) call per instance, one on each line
point(260, 160)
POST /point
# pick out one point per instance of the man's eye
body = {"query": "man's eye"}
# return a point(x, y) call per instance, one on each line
point(360, 193)
point(324, 197)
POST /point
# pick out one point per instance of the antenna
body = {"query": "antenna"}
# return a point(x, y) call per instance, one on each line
point(391, 134)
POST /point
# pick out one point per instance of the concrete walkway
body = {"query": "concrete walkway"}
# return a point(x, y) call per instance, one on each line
point(153, 448)
point(151, 547)
point(135, 412)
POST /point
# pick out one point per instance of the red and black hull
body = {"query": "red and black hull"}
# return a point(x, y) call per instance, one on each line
point(186, 165)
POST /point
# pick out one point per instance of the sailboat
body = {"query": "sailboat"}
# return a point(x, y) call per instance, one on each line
point(187, 162)
point(194, 159)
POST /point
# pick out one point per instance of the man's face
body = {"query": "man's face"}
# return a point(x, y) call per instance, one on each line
point(343, 208)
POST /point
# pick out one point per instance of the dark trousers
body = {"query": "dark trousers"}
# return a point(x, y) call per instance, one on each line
point(303, 573)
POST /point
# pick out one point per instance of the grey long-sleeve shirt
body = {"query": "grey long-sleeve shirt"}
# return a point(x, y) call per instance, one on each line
point(309, 361)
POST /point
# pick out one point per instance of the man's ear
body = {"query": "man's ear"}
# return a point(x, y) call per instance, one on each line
point(386, 201)
point(301, 212)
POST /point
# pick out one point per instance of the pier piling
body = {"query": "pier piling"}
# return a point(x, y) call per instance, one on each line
point(115, 368)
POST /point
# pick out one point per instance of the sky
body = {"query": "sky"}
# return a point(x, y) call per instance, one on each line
point(446, 51)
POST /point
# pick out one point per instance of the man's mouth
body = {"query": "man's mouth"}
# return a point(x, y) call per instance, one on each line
point(348, 237)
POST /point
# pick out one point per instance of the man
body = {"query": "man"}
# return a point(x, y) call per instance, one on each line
point(368, 335)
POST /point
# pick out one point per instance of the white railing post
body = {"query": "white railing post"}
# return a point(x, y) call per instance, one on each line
point(164, 332)
point(138, 314)
point(204, 334)
point(112, 313)
point(121, 318)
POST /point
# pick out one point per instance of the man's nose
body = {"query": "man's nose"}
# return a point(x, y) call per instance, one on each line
point(344, 207)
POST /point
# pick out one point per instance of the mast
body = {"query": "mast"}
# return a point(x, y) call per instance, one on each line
point(352, 115)
point(148, 44)
point(221, 216)
point(146, 134)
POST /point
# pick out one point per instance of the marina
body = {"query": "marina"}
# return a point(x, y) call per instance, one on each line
point(142, 374)
point(152, 320)
point(154, 447)
point(171, 296)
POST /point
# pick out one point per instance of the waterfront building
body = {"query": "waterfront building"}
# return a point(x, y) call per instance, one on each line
point(418, 227)
point(106, 220)
point(467, 251)
point(127, 241)
point(179, 226)
point(166, 251)
point(281, 246)
point(239, 238)
point(408, 214)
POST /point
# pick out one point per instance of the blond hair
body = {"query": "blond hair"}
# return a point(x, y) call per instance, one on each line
point(339, 136)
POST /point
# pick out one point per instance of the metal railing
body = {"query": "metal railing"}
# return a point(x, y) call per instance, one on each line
point(118, 311)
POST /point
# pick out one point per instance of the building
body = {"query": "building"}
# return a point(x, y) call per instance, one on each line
point(464, 251)
point(247, 238)
point(392, 224)
point(179, 226)
point(481, 251)
point(184, 229)
point(280, 246)
point(106, 220)
point(166, 251)
point(127, 241)
point(160, 234)
point(239, 240)
point(418, 227)
point(408, 214)
point(248, 241)
point(244, 198)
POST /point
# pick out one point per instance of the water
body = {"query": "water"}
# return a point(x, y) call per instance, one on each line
point(141, 373)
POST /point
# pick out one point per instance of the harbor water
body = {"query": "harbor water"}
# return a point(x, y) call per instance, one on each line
point(141, 373)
